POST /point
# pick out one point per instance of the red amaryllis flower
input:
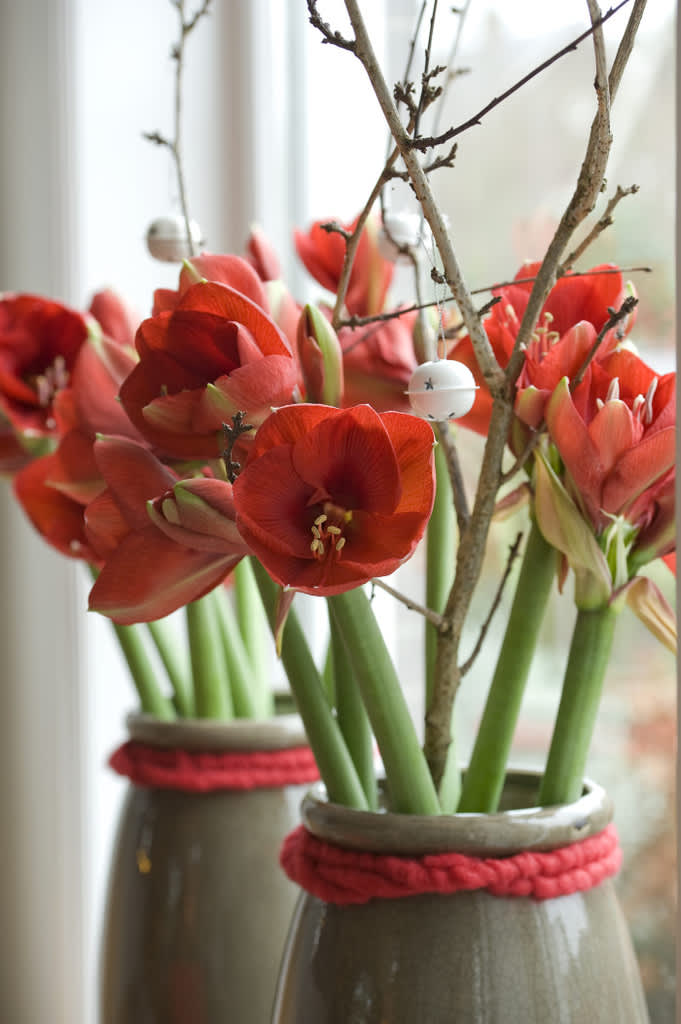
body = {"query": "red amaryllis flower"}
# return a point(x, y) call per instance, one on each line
point(225, 269)
point(323, 252)
point(147, 573)
point(215, 354)
point(378, 362)
point(39, 342)
point(617, 441)
point(330, 498)
point(575, 310)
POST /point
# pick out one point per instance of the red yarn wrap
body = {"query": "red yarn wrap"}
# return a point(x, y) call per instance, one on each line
point(337, 875)
point(204, 772)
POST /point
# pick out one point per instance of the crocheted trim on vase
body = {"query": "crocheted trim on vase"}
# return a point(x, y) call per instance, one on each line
point(205, 772)
point(338, 875)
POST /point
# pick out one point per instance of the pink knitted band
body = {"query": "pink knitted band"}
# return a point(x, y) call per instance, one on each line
point(337, 875)
point(203, 772)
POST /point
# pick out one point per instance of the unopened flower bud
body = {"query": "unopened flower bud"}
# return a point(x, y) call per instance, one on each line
point(321, 358)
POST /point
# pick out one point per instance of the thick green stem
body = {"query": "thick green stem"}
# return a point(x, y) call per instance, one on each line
point(351, 715)
point(410, 785)
point(211, 686)
point(142, 673)
point(580, 698)
point(254, 630)
point(439, 560)
point(174, 662)
point(484, 778)
point(247, 698)
point(439, 575)
point(326, 740)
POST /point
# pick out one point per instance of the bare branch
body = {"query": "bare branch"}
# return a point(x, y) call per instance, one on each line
point(587, 189)
point(444, 436)
point(328, 35)
point(616, 317)
point(604, 222)
point(437, 140)
point(413, 606)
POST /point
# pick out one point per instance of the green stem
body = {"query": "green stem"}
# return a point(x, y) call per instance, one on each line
point(238, 664)
point(351, 715)
point(484, 778)
point(590, 648)
point(142, 672)
point(254, 630)
point(440, 555)
point(211, 686)
point(325, 738)
point(439, 560)
point(410, 786)
point(164, 637)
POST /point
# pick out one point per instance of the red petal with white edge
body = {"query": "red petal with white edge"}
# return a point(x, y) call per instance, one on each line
point(149, 576)
point(577, 450)
point(614, 431)
point(134, 476)
point(639, 468)
point(350, 456)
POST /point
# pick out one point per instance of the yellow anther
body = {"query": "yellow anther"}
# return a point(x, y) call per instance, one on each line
point(340, 544)
point(316, 545)
point(315, 531)
point(320, 519)
point(335, 530)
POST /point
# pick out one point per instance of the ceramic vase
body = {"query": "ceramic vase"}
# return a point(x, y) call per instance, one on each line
point(468, 957)
point(198, 907)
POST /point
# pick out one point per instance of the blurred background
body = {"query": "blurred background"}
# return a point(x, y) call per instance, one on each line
point(281, 130)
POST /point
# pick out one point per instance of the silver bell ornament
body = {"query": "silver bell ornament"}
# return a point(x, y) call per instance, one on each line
point(443, 389)
point(167, 238)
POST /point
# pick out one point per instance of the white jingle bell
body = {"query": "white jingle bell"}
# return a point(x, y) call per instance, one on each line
point(442, 390)
point(400, 231)
point(167, 238)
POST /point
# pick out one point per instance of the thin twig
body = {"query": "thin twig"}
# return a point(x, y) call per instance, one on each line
point(587, 189)
point(232, 434)
point(512, 555)
point(437, 140)
point(413, 606)
point(601, 224)
point(566, 273)
point(175, 144)
point(625, 309)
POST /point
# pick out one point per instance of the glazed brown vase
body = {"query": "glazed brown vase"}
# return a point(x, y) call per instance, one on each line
point(198, 907)
point(467, 957)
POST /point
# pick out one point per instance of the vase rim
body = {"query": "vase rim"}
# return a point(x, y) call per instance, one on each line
point(280, 732)
point(503, 833)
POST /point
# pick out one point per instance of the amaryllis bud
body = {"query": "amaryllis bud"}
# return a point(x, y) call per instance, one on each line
point(199, 513)
point(321, 358)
